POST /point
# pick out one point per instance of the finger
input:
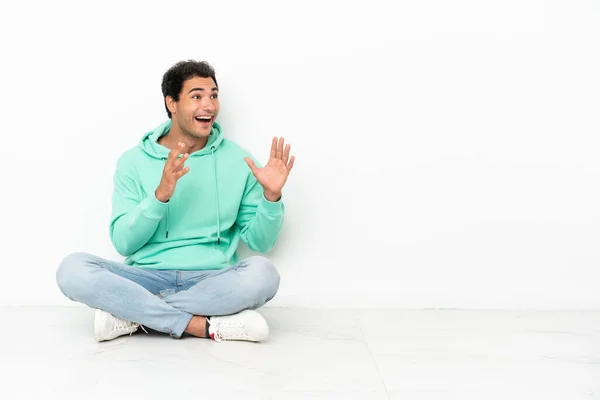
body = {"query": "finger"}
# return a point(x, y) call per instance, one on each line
point(177, 165)
point(290, 165)
point(181, 173)
point(274, 147)
point(176, 151)
point(173, 154)
point(286, 153)
point(251, 164)
point(280, 149)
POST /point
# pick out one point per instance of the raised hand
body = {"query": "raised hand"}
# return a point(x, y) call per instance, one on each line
point(172, 171)
point(274, 174)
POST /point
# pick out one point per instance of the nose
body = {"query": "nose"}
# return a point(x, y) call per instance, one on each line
point(207, 105)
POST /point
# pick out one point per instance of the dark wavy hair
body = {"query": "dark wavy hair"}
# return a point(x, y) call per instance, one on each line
point(176, 76)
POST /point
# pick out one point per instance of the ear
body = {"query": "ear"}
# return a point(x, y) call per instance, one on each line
point(171, 104)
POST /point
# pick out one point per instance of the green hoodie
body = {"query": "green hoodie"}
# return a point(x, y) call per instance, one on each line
point(217, 203)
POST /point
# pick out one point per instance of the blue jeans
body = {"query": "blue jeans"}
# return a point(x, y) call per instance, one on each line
point(166, 300)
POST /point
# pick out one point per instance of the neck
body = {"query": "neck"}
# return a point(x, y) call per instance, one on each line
point(176, 135)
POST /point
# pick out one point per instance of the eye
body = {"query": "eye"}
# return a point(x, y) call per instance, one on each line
point(195, 96)
point(214, 96)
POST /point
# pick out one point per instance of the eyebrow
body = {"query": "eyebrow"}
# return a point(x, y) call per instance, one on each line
point(214, 89)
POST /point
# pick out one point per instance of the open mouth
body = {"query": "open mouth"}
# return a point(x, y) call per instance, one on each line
point(204, 119)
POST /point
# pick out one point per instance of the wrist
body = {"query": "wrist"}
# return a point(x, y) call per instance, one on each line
point(272, 197)
point(160, 196)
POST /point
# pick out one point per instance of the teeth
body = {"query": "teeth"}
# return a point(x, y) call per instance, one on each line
point(207, 118)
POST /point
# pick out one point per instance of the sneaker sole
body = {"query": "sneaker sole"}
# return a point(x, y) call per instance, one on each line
point(98, 322)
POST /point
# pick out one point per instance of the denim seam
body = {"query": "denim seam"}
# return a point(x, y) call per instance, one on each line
point(186, 317)
point(153, 278)
point(217, 272)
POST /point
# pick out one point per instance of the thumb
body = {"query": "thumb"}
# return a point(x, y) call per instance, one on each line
point(251, 164)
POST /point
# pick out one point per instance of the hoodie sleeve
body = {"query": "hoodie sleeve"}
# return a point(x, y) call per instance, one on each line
point(259, 219)
point(135, 218)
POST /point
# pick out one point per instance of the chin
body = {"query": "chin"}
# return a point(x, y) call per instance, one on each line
point(196, 134)
point(202, 135)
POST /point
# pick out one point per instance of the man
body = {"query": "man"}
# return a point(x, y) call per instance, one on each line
point(183, 198)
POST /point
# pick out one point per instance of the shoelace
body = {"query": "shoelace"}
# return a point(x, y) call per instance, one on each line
point(124, 325)
point(230, 330)
point(121, 325)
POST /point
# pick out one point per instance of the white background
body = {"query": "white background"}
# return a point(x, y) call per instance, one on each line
point(447, 151)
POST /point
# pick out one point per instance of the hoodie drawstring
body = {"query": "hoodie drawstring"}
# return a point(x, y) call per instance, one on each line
point(167, 234)
point(167, 213)
point(217, 196)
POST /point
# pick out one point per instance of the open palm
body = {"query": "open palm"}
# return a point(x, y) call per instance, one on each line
point(274, 174)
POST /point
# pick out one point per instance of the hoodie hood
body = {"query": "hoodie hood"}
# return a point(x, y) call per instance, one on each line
point(149, 142)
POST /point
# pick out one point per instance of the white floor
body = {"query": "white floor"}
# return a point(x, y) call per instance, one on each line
point(49, 353)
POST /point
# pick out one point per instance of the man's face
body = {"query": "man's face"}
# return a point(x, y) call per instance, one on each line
point(197, 108)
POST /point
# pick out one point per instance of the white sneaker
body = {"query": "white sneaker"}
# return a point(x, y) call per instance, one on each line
point(246, 325)
point(109, 327)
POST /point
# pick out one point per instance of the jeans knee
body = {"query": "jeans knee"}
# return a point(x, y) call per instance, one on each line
point(265, 272)
point(68, 270)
